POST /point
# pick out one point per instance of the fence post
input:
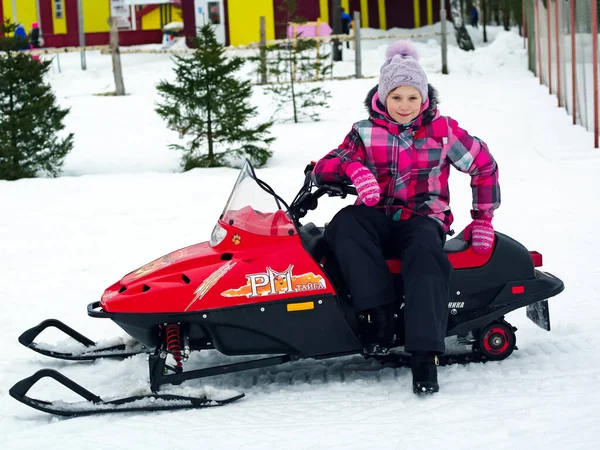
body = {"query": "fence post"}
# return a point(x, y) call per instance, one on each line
point(116, 56)
point(263, 51)
point(357, 51)
point(81, 33)
point(444, 40)
point(595, 68)
point(336, 11)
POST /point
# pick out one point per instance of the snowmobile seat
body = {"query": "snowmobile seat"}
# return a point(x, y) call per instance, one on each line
point(313, 239)
point(456, 244)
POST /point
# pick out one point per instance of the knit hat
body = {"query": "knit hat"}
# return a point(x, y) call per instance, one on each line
point(401, 68)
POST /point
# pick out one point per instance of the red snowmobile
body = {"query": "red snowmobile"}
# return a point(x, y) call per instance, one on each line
point(267, 285)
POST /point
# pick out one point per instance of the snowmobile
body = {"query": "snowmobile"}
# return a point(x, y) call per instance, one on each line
point(267, 285)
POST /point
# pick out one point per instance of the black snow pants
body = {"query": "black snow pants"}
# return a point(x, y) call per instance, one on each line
point(362, 238)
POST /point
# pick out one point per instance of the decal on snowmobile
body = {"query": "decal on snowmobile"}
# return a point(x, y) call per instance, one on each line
point(452, 305)
point(236, 239)
point(210, 281)
point(272, 282)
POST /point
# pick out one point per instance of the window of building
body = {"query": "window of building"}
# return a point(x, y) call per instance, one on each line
point(214, 14)
point(58, 9)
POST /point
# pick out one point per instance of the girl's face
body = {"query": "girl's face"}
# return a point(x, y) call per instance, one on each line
point(403, 104)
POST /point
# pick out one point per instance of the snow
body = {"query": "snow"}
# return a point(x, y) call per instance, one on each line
point(123, 202)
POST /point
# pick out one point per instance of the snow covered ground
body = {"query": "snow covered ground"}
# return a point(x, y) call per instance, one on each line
point(123, 202)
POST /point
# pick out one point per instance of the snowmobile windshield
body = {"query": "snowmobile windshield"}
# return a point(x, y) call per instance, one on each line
point(255, 208)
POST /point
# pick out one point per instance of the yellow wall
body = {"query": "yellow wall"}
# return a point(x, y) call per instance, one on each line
point(417, 13)
point(364, 14)
point(324, 10)
point(60, 25)
point(26, 12)
point(95, 16)
point(243, 20)
point(382, 15)
point(151, 21)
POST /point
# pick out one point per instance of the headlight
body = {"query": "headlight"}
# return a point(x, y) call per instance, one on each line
point(218, 234)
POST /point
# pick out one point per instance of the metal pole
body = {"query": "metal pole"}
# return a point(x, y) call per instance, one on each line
point(14, 11)
point(38, 15)
point(538, 52)
point(549, 25)
point(558, 78)
point(573, 62)
point(81, 33)
point(595, 67)
point(357, 52)
point(444, 40)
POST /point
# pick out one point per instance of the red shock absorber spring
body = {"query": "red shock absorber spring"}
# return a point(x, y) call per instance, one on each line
point(174, 343)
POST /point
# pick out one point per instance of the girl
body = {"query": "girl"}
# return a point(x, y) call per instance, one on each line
point(399, 161)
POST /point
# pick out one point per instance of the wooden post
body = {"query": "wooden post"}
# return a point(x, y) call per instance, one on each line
point(263, 50)
point(444, 40)
point(294, 45)
point(358, 56)
point(116, 56)
point(318, 33)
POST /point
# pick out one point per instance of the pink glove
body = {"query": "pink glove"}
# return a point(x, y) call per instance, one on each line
point(482, 233)
point(365, 183)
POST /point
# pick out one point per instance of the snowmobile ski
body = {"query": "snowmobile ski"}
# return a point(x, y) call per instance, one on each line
point(95, 405)
point(92, 350)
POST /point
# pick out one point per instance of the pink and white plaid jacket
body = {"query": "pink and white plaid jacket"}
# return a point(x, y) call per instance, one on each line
point(412, 164)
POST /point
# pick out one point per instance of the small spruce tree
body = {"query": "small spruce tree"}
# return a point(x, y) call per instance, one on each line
point(30, 119)
point(210, 106)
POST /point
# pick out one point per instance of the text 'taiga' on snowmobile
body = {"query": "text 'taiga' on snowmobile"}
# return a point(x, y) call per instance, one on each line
point(267, 285)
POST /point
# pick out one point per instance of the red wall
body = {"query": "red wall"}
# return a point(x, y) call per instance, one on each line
point(307, 9)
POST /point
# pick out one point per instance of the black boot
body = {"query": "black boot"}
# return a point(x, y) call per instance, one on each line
point(380, 330)
point(424, 372)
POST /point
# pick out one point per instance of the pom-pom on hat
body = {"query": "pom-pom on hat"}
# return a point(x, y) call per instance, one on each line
point(401, 68)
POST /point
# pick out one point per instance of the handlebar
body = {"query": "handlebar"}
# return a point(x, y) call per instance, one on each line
point(307, 200)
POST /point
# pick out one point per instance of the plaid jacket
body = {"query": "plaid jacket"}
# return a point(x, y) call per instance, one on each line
point(412, 164)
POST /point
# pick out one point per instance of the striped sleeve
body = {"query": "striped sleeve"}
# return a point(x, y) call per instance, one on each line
point(332, 167)
point(471, 155)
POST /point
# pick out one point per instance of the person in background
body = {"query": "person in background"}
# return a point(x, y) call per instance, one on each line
point(34, 36)
point(474, 16)
point(21, 35)
point(346, 23)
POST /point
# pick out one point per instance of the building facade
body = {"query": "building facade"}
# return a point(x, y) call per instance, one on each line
point(236, 21)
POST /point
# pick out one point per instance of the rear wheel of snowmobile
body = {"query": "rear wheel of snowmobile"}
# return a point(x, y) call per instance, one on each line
point(497, 341)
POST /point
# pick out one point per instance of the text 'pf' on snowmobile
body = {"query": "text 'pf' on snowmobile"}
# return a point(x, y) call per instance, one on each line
point(265, 284)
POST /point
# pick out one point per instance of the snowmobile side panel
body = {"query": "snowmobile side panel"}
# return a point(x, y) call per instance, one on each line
point(526, 293)
point(265, 328)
